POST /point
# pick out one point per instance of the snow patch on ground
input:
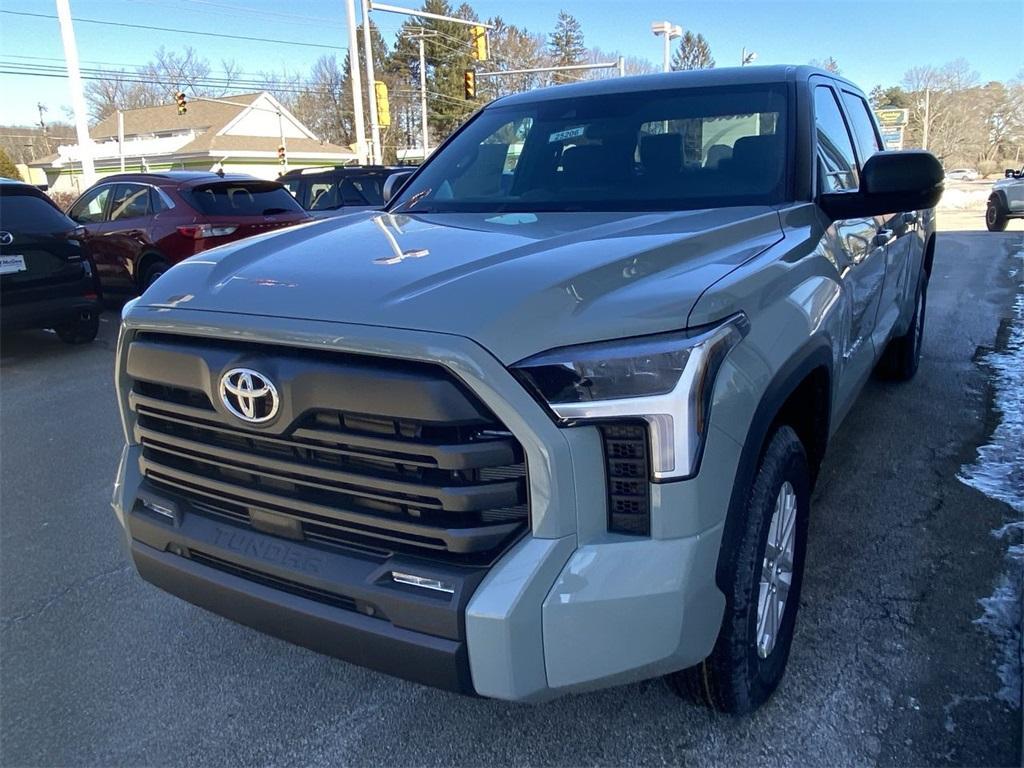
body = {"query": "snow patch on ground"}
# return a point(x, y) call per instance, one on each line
point(998, 472)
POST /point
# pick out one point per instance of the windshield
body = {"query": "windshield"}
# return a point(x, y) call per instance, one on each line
point(248, 198)
point(652, 150)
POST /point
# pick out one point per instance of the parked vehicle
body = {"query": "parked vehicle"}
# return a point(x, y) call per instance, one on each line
point(138, 225)
point(1006, 201)
point(340, 189)
point(47, 279)
point(962, 174)
point(552, 420)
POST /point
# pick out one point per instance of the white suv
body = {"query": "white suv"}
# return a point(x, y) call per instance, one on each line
point(1006, 201)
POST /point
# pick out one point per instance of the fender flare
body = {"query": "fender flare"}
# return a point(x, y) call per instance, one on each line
point(815, 353)
point(999, 197)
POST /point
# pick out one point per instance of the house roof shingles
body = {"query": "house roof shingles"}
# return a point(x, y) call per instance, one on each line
point(207, 115)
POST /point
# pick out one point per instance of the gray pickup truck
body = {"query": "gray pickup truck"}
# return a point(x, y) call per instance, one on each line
point(551, 420)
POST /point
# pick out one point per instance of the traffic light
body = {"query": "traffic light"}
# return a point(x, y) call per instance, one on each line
point(282, 156)
point(470, 84)
point(383, 106)
point(480, 52)
point(182, 103)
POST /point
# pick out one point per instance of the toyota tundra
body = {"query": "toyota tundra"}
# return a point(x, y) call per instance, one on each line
point(551, 420)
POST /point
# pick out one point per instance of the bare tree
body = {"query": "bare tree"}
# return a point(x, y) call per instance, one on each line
point(156, 82)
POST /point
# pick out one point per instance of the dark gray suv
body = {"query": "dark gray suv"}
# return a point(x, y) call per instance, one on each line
point(552, 419)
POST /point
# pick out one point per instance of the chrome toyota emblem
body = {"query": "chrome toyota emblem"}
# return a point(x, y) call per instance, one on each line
point(249, 395)
point(6, 238)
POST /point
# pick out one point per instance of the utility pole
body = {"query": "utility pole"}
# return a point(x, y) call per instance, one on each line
point(371, 91)
point(928, 118)
point(355, 79)
point(424, 129)
point(120, 138)
point(420, 37)
point(42, 126)
point(67, 34)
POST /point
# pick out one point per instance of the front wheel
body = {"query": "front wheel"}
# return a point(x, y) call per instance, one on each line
point(995, 217)
point(760, 572)
point(81, 330)
point(153, 273)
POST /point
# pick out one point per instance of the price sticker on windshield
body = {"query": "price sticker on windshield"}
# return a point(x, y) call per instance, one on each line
point(568, 133)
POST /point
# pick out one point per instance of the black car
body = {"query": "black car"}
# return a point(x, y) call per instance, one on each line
point(336, 190)
point(47, 279)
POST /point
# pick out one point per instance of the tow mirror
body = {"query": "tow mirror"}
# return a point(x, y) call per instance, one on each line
point(393, 183)
point(907, 180)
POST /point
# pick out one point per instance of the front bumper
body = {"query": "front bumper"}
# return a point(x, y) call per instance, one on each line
point(569, 607)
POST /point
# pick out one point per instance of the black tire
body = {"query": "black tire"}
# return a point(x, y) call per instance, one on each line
point(153, 272)
point(737, 677)
point(902, 357)
point(995, 216)
point(80, 331)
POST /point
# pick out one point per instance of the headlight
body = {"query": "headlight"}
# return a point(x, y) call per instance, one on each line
point(666, 380)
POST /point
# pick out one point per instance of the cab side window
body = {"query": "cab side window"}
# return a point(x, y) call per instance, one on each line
point(836, 160)
point(863, 126)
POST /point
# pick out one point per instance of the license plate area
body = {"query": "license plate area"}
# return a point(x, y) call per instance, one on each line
point(12, 263)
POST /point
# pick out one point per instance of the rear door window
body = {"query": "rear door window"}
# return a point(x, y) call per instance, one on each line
point(838, 164)
point(323, 195)
point(91, 209)
point(131, 201)
point(243, 199)
point(31, 215)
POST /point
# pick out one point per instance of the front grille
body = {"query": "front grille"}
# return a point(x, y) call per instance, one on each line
point(381, 482)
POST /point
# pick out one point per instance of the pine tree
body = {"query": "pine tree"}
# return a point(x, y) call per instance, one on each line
point(693, 53)
point(565, 45)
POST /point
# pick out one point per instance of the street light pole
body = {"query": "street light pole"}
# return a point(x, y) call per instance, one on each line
point(669, 32)
point(354, 76)
point(67, 34)
point(371, 91)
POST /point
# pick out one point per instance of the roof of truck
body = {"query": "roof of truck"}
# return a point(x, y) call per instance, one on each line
point(694, 78)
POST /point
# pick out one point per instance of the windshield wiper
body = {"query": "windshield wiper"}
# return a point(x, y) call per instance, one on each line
point(414, 199)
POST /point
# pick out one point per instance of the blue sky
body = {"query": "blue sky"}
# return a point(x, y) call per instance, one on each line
point(873, 41)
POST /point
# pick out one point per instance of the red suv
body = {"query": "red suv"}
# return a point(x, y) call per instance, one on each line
point(140, 224)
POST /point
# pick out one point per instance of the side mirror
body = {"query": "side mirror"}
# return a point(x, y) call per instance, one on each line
point(393, 183)
point(1010, 173)
point(906, 180)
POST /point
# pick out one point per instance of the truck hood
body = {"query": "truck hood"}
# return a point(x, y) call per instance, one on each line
point(516, 283)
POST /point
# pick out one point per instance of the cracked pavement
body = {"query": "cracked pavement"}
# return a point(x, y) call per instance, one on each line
point(99, 668)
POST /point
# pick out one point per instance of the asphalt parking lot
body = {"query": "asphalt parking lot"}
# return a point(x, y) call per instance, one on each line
point(888, 666)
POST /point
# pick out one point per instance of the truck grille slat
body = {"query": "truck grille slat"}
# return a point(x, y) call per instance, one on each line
point(393, 480)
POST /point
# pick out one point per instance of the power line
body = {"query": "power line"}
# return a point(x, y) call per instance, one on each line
point(219, 35)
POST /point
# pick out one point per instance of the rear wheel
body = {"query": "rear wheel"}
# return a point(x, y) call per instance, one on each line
point(995, 216)
point(82, 330)
point(761, 573)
